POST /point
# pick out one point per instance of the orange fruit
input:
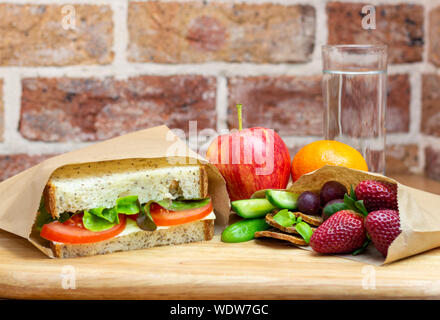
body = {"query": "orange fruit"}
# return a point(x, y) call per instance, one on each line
point(319, 153)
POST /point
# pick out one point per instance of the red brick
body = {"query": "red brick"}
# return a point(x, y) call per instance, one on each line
point(434, 36)
point(431, 104)
point(398, 26)
point(194, 32)
point(398, 101)
point(11, 165)
point(63, 109)
point(401, 158)
point(33, 35)
point(432, 164)
point(289, 105)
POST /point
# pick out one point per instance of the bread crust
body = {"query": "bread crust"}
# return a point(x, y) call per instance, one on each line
point(202, 230)
point(208, 227)
point(203, 182)
point(49, 199)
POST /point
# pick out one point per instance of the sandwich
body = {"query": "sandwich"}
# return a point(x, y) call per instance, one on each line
point(104, 207)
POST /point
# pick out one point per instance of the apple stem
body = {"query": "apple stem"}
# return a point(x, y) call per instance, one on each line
point(240, 122)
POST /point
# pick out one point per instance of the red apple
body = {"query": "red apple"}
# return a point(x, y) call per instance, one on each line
point(250, 160)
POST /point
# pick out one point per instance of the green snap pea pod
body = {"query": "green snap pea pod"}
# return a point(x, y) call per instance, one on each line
point(283, 199)
point(243, 230)
point(252, 208)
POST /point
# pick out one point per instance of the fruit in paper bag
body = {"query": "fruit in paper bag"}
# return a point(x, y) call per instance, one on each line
point(332, 190)
point(383, 226)
point(343, 232)
point(377, 194)
point(309, 203)
point(332, 207)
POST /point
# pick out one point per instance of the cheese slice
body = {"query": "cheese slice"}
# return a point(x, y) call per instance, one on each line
point(131, 225)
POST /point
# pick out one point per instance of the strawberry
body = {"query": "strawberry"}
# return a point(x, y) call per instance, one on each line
point(377, 195)
point(383, 226)
point(342, 232)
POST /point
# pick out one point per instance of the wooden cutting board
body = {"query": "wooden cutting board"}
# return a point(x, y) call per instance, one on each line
point(215, 270)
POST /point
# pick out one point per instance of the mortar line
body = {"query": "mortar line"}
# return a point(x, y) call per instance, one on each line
point(120, 68)
point(12, 106)
point(321, 31)
point(120, 34)
point(222, 103)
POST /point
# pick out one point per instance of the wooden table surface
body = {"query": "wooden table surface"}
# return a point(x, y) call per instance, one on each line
point(215, 270)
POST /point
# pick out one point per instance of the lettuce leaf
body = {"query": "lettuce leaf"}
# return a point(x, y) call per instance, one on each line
point(96, 223)
point(304, 230)
point(285, 218)
point(128, 205)
point(111, 214)
point(99, 219)
point(288, 219)
point(45, 217)
point(145, 220)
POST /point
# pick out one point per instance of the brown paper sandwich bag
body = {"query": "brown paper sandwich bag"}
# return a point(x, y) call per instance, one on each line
point(20, 195)
point(419, 213)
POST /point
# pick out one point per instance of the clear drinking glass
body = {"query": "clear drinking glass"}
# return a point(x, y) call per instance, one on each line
point(354, 90)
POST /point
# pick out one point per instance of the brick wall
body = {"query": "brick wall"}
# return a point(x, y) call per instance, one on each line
point(130, 65)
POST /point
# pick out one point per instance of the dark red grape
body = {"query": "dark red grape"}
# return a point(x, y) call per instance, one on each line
point(332, 190)
point(308, 203)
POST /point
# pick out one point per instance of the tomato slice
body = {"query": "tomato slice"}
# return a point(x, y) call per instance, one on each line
point(164, 218)
point(73, 231)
